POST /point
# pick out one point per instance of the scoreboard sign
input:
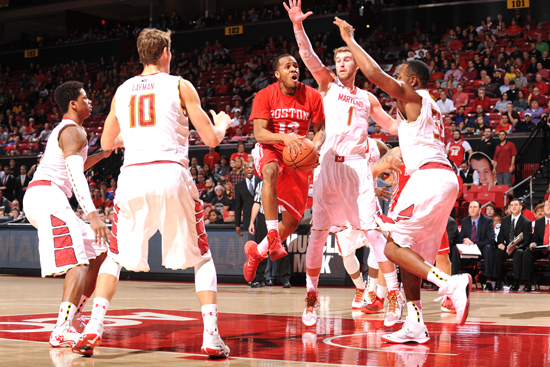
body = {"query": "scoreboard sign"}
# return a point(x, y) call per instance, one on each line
point(233, 31)
point(31, 53)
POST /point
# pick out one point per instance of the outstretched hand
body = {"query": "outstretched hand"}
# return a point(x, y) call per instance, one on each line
point(295, 11)
point(346, 30)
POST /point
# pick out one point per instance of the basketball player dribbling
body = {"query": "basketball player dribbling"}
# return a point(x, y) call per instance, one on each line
point(282, 113)
point(66, 244)
point(415, 230)
point(343, 187)
point(149, 115)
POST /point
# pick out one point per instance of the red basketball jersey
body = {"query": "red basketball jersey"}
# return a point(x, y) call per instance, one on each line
point(456, 152)
point(288, 114)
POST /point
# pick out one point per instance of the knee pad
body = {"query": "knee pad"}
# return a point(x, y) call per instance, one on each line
point(110, 266)
point(314, 252)
point(351, 263)
point(205, 276)
point(378, 244)
point(372, 262)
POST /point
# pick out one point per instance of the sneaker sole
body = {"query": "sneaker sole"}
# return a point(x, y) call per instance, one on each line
point(87, 349)
point(462, 321)
point(220, 353)
point(416, 341)
point(62, 344)
point(446, 310)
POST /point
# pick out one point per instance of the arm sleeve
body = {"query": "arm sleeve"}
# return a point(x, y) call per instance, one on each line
point(75, 167)
point(309, 57)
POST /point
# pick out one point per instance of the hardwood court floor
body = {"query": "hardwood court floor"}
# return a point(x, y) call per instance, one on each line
point(159, 324)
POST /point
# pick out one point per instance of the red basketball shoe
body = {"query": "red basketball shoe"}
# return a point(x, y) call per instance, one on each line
point(374, 305)
point(253, 259)
point(276, 249)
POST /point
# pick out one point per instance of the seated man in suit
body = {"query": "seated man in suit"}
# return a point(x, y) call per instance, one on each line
point(477, 229)
point(244, 199)
point(540, 238)
point(512, 225)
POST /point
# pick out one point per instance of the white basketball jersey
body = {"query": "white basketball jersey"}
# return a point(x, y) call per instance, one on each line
point(421, 141)
point(52, 165)
point(346, 123)
point(153, 124)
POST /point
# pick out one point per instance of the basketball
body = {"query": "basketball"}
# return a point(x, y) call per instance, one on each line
point(304, 161)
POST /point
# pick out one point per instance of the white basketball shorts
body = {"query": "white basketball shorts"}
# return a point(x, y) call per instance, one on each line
point(343, 193)
point(420, 215)
point(158, 196)
point(64, 240)
point(349, 240)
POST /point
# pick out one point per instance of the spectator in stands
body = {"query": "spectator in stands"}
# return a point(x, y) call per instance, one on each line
point(220, 175)
point(541, 84)
point(471, 72)
point(506, 86)
point(201, 183)
point(456, 73)
point(21, 183)
point(490, 211)
point(4, 203)
point(460, 116)
point(460, 98)
point(479, 112)
point(214, 217)
point(487, 144)
point(45, 134)
point(536, 112)
point(541, 237)
point(520, 80)
point(238, 137)
point(477, 229)
point(97, 199)
point(220, 201)
point(445, 105)
point(107, 196)
point(481, 100)
point(504, 161)
point(240, 152)
point(212, 157)
point(491, 88)
point(194, 163)
point(230, 194)
point(468, 175)
point(378, 134)
point(237, 175)
point(194, 173)
point(479, 125)
point(457, 149)
point(536, 95)
point(208, 193)
point(504, 125)
point(526, 125)
point(512, 225)
point(94, 140)
point(4, 136)
point(520, 104)
point(500, 106)
point(539, 211)
point(526, 212)
point(462, 128)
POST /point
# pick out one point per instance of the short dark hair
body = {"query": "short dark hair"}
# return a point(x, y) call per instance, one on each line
point(276, 61)
point(419, 69)
point(516, 199)
point(475, 201)
point(487, 127)
point(66, 93)
point(241, 142)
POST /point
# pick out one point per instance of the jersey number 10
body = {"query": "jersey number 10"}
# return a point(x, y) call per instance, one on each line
point(144, 119)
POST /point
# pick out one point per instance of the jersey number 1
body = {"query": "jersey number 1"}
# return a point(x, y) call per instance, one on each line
point(142, 121)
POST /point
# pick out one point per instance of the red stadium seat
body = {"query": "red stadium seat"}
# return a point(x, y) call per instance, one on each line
point(485, 198)
point(480, 189)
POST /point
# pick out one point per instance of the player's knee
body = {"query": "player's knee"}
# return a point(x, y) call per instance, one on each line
point(110, 266)
point(205, 276)
point(270, 173)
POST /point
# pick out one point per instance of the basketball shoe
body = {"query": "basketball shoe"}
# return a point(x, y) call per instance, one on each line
point(63, 336)
point(411, 332)
point(213, 345)
point(309, 317)
point(374, 305)
point(88, 340)
point(253, 259)
point(276, 249)
point(446, 304)
point(359, 301)
point(79, 322)
point(395, 308)
point(458, 288)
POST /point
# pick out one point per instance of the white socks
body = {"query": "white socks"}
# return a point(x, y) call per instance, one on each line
point(391, 281)
point(210, 318)
point(98, 312)
point(264, 245)
point(66, 313)
point(359, 284)
point(272, 224)
point(414, 309)
point(311, 283)
point(372, 283)
point(437, 277)
point(380, 291)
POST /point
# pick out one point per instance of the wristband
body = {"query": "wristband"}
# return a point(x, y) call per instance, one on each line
point(75, 167)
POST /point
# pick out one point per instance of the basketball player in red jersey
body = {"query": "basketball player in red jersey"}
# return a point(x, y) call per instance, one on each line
point(282, 114)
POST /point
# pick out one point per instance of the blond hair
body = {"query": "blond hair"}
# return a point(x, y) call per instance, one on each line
point(340, 50)
point(150, 44)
